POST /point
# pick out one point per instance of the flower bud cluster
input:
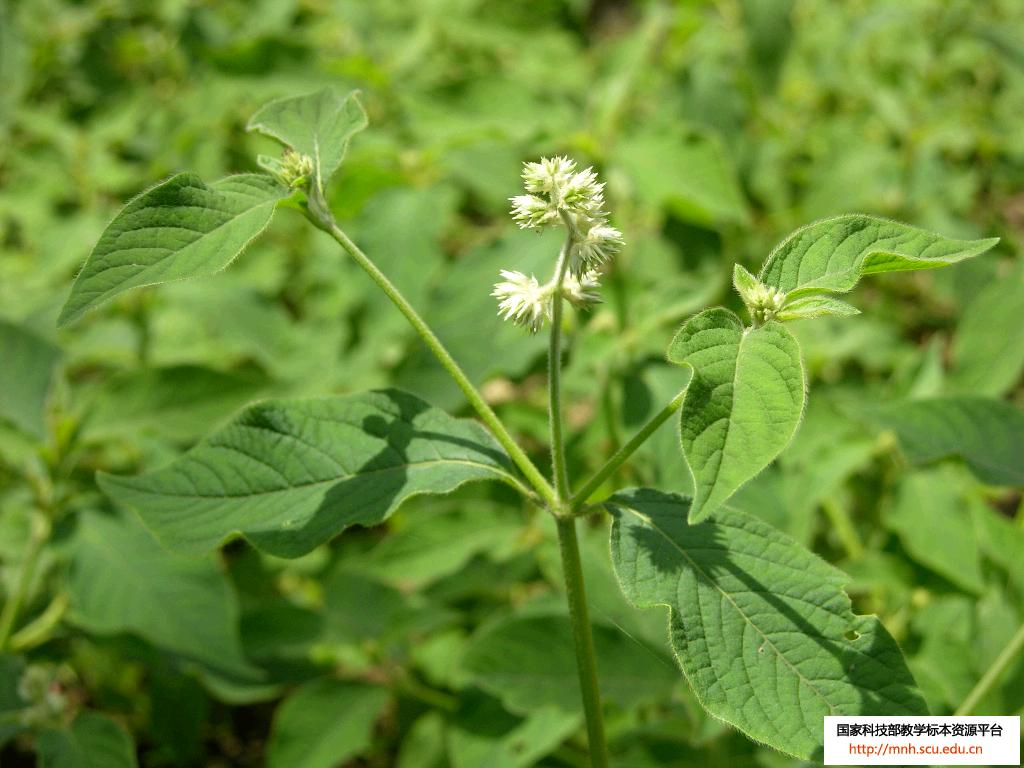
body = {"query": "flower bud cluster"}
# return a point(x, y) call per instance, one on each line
point(764, 302)
point(559, 194)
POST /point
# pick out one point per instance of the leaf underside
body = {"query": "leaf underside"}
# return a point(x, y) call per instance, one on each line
point(761, 627)
point(742, 406)
point(178, 229)
point(832, 255)
point(288, 475)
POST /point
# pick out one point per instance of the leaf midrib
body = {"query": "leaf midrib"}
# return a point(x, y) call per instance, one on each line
point(300, 486)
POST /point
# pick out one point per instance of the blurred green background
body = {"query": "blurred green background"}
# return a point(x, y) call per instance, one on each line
point(719, 127)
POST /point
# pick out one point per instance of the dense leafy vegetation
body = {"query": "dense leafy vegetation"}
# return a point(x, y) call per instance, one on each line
point(256, 516)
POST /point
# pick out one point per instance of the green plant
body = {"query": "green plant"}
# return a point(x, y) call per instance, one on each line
point(761, 628)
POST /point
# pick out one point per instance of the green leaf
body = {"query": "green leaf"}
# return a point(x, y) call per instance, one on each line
point(528, 662)
point(92, 741)
point(121, 580)
point(290, 474)
point(179, 402)
point(25, 377)
point(743, 403)
point(833, 254)
point(178, 229)
point(323, 724)
point(988, 349)
point(319, 125)
point(689, 172)
point(761, 627)
point(932, 516)
point(481, 733)
point(987, 434)
point(806, 307)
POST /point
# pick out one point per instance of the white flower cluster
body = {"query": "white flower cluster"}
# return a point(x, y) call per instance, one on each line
point(764, 302)
point(558, 193)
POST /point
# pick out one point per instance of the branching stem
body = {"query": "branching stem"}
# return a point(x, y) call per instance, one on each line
point(321, 217)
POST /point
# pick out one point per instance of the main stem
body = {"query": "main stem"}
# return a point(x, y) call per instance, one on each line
point(579, 616)
point(583, 640)
point(321, 217)
point(992, 675)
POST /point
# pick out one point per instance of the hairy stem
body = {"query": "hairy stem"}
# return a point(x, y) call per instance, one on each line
point(583, 640)
point(993, 673)
point(581, 496)
point(558, 466)
point(9, 616)
point(321, 218)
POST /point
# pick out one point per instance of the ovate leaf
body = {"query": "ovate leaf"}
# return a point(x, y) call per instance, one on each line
point(743, 403)
point(178, 229)
point(988, 435)
point(290, 474)
point(833, 254)
point(324, 724)
point(25, 377)
point(318, 125)
point(92, 741)
point(761, 627)
point(121, 580)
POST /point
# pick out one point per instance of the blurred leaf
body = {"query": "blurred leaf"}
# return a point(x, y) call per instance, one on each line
point(92, 741)
point(318, 125)
point(988, 349)
point(932, 518)
point(754, 617)
point(289, 475)
point(11, 670)
point(178, 229)
point(323, 724)
point(987, 434)
point(689, 174)
point(742, 405)
point(528, 662)
point(832, 255)
point(121, 580)
point(482, 733)
point(25, 377)
point(179, 402)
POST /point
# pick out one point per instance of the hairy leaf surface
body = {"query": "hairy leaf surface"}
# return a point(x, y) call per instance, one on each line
point(180, 228)
point(833, 254)
point(987, 434)
point(319, 125)
point(761, 627)
point(742, 405)
point(290, 474)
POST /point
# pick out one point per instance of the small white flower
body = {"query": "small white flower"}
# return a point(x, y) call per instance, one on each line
point(549, 174)
point(764, 302)
point(583, 194)
point(532, 212)
point(582, 291)
point(594, 246)
point(523, 300)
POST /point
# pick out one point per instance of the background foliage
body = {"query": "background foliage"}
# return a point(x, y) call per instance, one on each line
point(720, 127)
